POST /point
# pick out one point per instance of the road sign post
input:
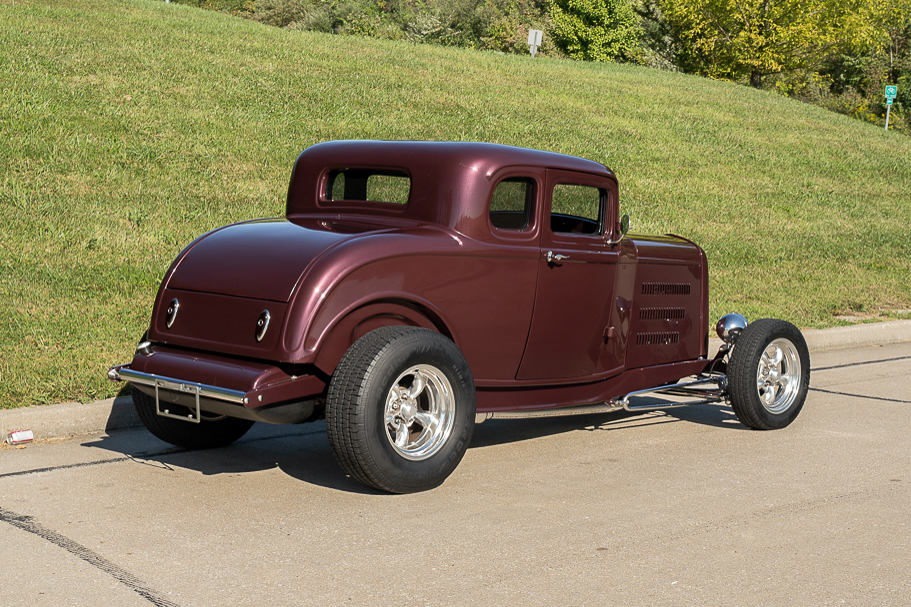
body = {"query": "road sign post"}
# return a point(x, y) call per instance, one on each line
point(891, 93)
point(534, 40)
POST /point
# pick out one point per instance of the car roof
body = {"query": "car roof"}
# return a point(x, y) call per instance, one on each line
point(428, 154)
point(449, 179)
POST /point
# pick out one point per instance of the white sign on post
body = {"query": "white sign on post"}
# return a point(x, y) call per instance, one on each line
point(534, 40)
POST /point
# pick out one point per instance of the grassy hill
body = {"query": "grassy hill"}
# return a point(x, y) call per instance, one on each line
point(128, 127)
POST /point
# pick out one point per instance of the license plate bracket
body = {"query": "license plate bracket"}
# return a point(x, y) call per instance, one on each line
point(188, 389)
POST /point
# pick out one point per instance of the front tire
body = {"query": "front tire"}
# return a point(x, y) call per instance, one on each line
point(209, 433)
point(400, 409)
point(769, 374)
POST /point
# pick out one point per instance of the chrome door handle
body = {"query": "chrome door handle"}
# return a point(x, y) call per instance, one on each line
point(552, 257)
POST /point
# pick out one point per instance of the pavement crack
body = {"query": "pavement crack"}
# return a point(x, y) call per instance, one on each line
point(836, 392)
point(146, 458)
point(65, 467)
point(28, 523)
point(858, 364)
point(137, 458)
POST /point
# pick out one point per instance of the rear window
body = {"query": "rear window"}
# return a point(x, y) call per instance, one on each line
point(368, 185)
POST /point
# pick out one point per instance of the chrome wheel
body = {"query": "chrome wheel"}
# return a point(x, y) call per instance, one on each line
point(778, 375)
point(768, 374)
point(405, 435)
point(419, 412)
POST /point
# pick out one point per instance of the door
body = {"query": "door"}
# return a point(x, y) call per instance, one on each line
point(577, 270)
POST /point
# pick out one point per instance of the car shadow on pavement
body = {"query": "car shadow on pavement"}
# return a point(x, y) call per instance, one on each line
point(303, 453)
point(503, 431)
point(300, 451)
point(717, 415)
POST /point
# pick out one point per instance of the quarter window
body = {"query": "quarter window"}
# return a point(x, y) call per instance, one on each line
point(512, 203)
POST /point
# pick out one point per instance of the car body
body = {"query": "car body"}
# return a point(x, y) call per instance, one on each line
point(516, 258)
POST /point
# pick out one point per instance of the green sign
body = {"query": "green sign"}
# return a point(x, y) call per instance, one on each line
point(891, 92)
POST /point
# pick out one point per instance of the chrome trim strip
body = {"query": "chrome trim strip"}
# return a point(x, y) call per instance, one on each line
point(553, 412)
point(202, 390)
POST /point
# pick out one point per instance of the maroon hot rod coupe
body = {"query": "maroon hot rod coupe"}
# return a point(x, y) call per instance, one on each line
point(415, 287)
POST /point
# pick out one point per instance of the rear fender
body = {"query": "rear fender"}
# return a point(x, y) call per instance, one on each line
point(340, 336)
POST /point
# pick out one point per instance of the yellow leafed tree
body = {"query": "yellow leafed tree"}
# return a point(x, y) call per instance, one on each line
point(736, 39)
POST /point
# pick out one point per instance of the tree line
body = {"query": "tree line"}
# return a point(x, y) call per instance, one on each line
point(839, 54)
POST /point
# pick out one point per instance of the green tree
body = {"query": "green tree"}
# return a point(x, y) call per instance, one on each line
point(595, 30)
point(891, 22)
point(858, 79)
point(736, 39)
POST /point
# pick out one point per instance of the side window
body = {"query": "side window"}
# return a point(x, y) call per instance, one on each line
point(576, 208)
point(512, 203)
point(360, 184)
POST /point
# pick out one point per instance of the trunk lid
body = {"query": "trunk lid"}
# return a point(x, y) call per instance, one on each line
point(261, 260)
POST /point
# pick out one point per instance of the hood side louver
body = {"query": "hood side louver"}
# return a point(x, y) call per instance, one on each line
point(666, 288)
point(662, 313)
point(663, 338)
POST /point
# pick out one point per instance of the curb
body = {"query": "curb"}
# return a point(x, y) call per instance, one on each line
point(71, 419)
point(838, 338)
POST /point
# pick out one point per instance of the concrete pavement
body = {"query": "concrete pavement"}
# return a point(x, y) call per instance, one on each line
point(684, 507)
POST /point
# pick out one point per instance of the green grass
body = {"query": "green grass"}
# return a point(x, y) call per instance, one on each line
point(128, 127)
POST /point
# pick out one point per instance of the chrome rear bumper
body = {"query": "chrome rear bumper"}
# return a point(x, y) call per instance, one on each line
point(121, 373)
point(216, 378)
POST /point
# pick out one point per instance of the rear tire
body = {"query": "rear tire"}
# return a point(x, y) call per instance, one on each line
point(769, 374)
point(400, 409)
point(209, 433)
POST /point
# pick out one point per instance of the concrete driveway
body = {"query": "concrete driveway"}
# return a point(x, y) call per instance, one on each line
point(684, 507)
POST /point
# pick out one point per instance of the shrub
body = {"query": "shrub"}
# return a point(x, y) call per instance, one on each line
point(498, 25)
point(281, 13)
point(242, 8)
point(596, 30)
point(657, 47)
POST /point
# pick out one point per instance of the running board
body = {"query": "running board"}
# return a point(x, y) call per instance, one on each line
point(554, 412)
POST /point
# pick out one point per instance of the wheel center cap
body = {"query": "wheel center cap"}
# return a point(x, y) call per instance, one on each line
point(407, 411)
